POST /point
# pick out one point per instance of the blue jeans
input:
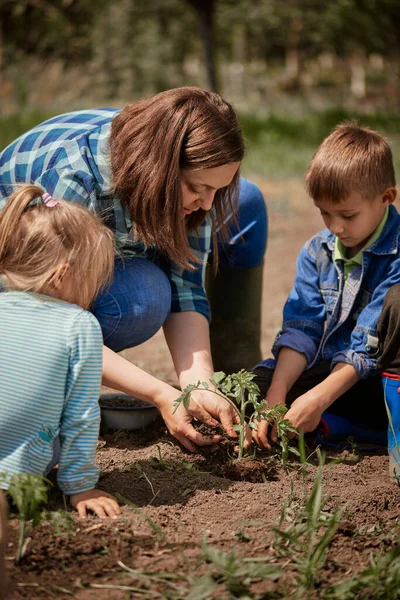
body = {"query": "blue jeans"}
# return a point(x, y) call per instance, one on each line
point(138, 301)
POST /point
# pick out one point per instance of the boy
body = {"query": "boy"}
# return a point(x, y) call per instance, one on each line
point(326, 353)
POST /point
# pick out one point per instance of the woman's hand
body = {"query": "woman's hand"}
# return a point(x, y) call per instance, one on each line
point(208, 407)
point(179, 424)
point(101, 503)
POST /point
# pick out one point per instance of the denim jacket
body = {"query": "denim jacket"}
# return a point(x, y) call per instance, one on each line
point(328, 319)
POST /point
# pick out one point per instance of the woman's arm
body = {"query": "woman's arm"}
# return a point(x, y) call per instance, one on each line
point(188, 339)
point(120, 374)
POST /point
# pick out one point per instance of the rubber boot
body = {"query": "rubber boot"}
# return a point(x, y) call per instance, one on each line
point(3, 544)
point(235, 331)
point(391, 390)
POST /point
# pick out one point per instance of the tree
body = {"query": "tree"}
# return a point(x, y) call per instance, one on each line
point(206, 10)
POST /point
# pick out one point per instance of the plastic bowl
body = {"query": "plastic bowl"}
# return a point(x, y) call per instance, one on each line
point(126, 417)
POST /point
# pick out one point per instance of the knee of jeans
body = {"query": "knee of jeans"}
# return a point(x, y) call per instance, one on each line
point(133, 311)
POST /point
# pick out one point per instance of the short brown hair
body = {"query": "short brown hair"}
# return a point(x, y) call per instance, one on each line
point(35, 240)
point(151, 140)
point(350, 159)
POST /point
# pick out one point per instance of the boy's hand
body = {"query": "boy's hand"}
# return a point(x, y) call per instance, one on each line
point(305, 413)
point(101, 503)
point(261, 437)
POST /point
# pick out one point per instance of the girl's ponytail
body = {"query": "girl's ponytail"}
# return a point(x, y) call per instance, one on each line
point(40, 234)
point(11, 214)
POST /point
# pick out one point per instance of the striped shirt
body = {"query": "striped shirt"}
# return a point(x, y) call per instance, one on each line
point(50, 375)
point(69, 157)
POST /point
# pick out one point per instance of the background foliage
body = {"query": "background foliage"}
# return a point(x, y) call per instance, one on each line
point(293, 68)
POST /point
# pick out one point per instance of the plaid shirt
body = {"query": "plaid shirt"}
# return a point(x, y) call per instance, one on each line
point(68, 156)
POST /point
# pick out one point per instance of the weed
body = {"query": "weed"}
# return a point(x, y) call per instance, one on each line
point(242, 536)
point(61, 520)
point(304, 533)
point(156, 528)
point(380, 581)
point(28, 493)
point(235, 573)
point(159, 463)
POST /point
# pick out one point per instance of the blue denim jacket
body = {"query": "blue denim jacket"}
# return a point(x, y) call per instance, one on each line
point(328, 319)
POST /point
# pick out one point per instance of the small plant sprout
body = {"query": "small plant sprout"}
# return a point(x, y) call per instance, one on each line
point(28, 493)
point(240, 391)
point(235, 573)
point(381, 578)
point(303, 534)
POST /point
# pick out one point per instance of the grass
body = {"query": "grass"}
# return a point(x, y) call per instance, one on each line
point(304, 533)
point(278, 145)
point(281, 146)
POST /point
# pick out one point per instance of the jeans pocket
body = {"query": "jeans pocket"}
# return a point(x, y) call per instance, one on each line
point(40, 448)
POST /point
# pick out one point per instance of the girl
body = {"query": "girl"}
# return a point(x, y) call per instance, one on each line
point(164, 173)
point(55, 257)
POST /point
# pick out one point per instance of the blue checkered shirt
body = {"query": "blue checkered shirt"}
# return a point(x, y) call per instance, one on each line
point(69, 157)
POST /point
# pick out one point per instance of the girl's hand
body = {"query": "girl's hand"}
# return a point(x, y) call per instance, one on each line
point(101, 503)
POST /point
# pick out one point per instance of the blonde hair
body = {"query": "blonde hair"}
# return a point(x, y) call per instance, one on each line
point(36, 240)
point(351, 159)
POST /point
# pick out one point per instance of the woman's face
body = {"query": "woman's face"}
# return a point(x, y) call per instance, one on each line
point(200, 185)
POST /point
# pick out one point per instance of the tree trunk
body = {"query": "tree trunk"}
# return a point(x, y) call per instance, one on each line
point(205, 12)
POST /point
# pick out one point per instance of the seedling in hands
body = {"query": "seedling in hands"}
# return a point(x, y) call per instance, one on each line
point(240, 391)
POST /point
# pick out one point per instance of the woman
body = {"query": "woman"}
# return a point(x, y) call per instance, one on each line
point(153, 172)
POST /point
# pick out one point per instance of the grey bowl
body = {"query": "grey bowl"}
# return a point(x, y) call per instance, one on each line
point(126, 417)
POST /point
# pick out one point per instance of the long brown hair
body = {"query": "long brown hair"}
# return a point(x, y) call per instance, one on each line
point(35, 240)
point(151, 140)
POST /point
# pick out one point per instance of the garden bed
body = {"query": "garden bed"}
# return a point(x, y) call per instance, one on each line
point(179, 499)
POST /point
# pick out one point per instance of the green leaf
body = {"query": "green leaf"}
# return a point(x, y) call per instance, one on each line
point(218, 377)
point(256, 570)
point(201, 588)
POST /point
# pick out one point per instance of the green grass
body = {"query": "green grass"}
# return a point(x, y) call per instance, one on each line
point(279, 145)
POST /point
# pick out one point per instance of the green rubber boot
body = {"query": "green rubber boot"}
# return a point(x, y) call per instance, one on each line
point(235, 330)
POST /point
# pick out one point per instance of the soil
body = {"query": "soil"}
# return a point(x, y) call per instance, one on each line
point(172, 498)
point(122, 401)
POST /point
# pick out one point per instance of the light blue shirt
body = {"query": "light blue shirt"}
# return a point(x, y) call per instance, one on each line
point(50, 376)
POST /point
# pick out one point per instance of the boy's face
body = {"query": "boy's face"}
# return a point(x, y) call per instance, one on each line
point(355, 219)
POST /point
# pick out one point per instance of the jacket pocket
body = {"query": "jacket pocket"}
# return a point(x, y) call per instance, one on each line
point(330, 298)
point(40, 448)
